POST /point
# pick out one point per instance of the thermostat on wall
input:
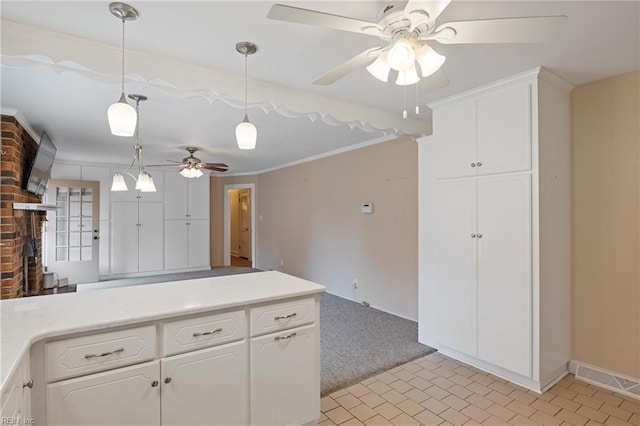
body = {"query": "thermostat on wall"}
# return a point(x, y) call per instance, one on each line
point(366, 208)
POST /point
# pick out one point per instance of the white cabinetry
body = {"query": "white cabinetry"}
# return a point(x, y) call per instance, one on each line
point(187, 222)
point(126, 396)
point(208, 371)
point(136, 236)
point(280, 395)
point(207, 387)
point(494, 243)
point(15, 401)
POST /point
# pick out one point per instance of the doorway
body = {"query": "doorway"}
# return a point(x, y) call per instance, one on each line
point(239, 222)
point(73, 229)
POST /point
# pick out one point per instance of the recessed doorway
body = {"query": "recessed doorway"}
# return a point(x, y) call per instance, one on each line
point(239, 240)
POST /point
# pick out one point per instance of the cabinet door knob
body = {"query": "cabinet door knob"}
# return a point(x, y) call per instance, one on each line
point(154, 383)
point(473, 235)
point(473, 164)
point(29, 384)
point(479, 235)
point(167, 380)
point(479, 164)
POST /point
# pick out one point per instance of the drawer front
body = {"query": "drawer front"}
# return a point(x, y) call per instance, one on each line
point(99, 352)
point(281, 316)
point(201, 332)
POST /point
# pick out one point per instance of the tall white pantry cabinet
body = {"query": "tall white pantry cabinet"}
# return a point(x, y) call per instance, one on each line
point(494, 228)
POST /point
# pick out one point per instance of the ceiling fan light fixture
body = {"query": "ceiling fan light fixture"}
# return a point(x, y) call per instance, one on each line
point(246, 134)
point(191, 172)
point(380, 68)
point(118, 183)
point(408, 77)
point(429, 60)
point(401, 55)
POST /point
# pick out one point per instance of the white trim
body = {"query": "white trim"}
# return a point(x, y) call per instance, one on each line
point(227, 222)
point(23, 121)
point(370, 142)
point(575, 366)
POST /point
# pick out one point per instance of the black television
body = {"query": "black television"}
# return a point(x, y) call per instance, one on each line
point(39, 171)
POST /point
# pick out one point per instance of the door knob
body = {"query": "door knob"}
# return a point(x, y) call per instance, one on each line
point(473, 164)
point(95, 237)
point(479, 235)
point(167, 380)
point(154, 383)
point(473, 235)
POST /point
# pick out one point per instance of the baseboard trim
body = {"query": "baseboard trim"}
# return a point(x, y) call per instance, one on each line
point(625, 385)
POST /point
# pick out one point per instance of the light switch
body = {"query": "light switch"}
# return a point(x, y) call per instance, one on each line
point(366, 208)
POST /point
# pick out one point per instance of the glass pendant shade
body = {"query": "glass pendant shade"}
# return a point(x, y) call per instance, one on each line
point(118, 183)
point(246, 134)
point(380, 68)
point(145, 182)
point(151, 187)
point(430, 61)
point(407, 77)
point(401, 56)
point(122, 118)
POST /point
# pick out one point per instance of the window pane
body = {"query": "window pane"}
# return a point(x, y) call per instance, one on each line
point(61, 225)
point(61, 254)
point(74, 254)
point(61, 238)
point(74, 209)
point(87, 239)
point(87, 209)
point(74, 224)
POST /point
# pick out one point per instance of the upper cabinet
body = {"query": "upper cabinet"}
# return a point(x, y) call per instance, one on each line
point(486, 135)
point(186, 198)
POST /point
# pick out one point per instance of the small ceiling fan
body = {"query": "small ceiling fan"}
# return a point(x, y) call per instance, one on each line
point(191, 166)
point(406, 31)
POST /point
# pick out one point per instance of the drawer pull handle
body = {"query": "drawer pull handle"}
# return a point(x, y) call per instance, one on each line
point(207, 333)
point(117, 351)
point(29, 384)
point(285, 317)
point(288, 336)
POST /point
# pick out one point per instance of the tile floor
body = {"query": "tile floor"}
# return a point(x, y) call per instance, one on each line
point(437, 390)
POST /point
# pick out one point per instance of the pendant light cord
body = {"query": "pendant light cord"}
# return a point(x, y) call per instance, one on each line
point(123, 20)
point(245, 83)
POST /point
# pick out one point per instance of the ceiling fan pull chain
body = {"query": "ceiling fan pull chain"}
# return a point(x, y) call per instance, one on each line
point(404, 96)
point(417, 103)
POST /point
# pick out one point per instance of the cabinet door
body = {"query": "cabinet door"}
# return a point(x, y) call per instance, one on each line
point(207, 387)
point(504, 272)
point(454, 128)
point(124, 237)
point(285, 388)
point(456, 264)
point(199, 197)
point(15, 400)
point(177, 241)
point(504, 131)
point(125, 396)
point(175, 196)
point(151, 248)
point(199, 243)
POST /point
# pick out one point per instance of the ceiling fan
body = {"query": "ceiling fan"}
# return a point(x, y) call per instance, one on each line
point(406, 31)
point(191, 166)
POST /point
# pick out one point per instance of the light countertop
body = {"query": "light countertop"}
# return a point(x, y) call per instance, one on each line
point(27, 320)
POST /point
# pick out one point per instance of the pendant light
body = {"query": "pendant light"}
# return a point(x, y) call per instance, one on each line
point(121, 115)
point(246, 132)
point(144, 181)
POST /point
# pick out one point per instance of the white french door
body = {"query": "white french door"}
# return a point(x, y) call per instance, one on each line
point(73, 229)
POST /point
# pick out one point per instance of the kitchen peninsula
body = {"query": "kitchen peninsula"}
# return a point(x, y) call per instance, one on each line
point(238, 349)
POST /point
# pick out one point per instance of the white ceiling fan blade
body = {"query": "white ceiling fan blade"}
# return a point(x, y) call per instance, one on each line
point(297, 15)
point(414, 9)
point(435, 81)
point(537, 29)
point(351, 65)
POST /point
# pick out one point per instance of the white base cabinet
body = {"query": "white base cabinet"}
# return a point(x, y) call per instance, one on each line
point(280, 395)
point(207, 387)
point(494, 243)
point(255, 365)
point(127, 397)
point(15, 400)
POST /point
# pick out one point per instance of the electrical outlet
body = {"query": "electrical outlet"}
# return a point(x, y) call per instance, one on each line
point(354, 285)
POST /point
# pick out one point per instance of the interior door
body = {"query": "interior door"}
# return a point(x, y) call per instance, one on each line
point(74, 229)
point(245, 223)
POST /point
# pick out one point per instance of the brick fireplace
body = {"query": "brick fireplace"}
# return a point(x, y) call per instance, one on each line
point(17, 226)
